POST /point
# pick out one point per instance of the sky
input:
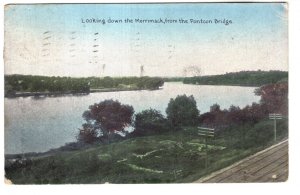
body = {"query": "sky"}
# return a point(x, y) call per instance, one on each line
point(59, 40)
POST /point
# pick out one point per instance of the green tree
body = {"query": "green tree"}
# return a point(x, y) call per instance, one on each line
point(108, 82)
point(149, 122)
point(215, 108)
point(182, 111)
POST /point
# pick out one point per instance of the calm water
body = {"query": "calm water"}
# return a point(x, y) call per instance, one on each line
point(37, 125)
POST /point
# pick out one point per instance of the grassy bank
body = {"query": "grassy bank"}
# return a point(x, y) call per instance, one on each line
point(176, 157)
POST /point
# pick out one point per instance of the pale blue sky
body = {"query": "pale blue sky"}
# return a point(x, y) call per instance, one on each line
point(257, 39)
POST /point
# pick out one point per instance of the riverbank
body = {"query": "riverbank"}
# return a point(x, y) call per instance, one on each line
point(58, 94)
point(34, 85)
point(243, 78)
point(122, 89)
point(173, 157)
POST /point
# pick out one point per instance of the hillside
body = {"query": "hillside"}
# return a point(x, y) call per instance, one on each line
point(176, 157)
point(243, 78)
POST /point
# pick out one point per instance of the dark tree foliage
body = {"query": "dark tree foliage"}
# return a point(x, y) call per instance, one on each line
point(274, 97)
point(218, 118)
point(244, 78)
point(29, 83)
point(182, 111)
point(105, 119)
point(215, 108)
point(149, 122)
point(119, 82)
point(87, 134)
point(214, 118)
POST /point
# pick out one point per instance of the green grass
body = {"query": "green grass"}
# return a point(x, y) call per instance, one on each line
point(173, 157)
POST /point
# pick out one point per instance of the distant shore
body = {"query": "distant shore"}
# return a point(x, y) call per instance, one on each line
point(45, 86)
point(55, 94)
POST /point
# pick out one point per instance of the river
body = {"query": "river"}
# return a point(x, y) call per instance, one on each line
point(37, 125)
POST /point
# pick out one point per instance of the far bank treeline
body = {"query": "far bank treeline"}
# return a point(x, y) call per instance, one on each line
point(18, 84)
point(27, 85)
point(242, 78)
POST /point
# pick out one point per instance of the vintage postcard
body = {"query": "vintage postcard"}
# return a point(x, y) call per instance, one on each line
point(146, 93)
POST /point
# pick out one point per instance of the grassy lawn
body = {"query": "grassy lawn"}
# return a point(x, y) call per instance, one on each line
point(173, 157)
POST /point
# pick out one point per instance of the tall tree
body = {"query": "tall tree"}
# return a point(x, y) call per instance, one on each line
point(182, 110)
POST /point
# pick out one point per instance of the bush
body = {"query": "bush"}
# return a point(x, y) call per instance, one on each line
point(87, 134)
point(258, 135)
point(149, 122)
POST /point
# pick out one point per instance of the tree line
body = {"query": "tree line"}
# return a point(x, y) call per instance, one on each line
point(242, 78)
point(56, 84)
